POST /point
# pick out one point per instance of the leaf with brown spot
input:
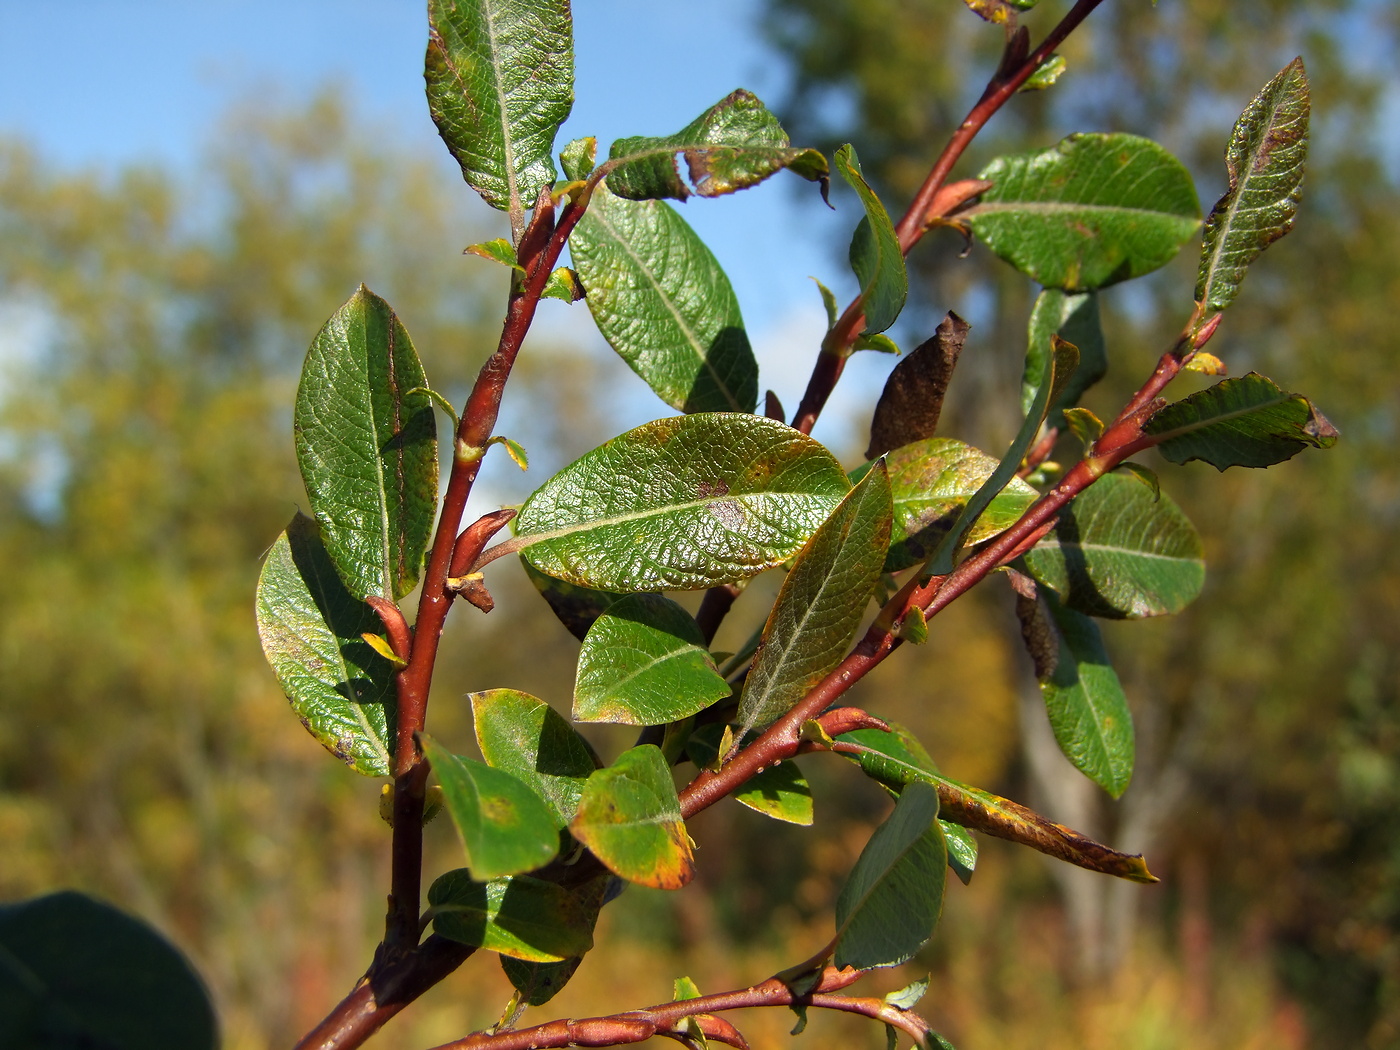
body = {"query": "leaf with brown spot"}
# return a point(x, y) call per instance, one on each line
point(912, 400)
point(630, 817)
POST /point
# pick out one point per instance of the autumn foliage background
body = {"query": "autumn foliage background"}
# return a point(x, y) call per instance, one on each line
point(153, 324)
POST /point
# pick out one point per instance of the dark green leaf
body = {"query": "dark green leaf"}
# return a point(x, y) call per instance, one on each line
point(1085, 702)
point(663, 303)
point(1265, 160)
point(310, 627)
point(521, 916)
point(366, 441)
point(77, 973)
point(506, 828)
point(931, 482)
point(734, 144)
point(500, 79)
point(1075, 319)
point(630, 818)
point(875, 253)
point(1088, 212)
point(530, 740)
point(890, 904)
point(644, 663)
point(884, 760)
point(681, 503)
point(1244, 422)
point(1121, 551)
point(912, 399)
point(821, 603)
point(780, 791)
point(538, 983)
point(576, 607)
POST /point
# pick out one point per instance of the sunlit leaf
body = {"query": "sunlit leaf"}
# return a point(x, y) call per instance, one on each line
point(1088, 212)
point(312, 631)
point(366, 441)
point(500, 79)
point(780, 791)
point(630, 818)
point(1244, 422)
point(521, 916)
point(645, 663)
point(821, 603)
point(1265, 159)
point(663, 303)
point(734, 144)
point(890, 904)
point(527, 738)
point(682, 503)
point(1075, 319)
point(875, 253)
point(1121, 550)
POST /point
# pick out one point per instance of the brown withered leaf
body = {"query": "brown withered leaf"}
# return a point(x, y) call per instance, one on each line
point(912, 400)
point(1036, 629)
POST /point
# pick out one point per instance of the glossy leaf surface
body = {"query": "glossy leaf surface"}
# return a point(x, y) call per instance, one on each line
point(500, 79)
point(506, 828)
point(644, 663)
point(890, 904)
point(310, 627)
point(682, 503)
point(875, 254)
point(368, 448)
point(80, 973)
point(527, 738)
point(734, 144)
point(630, 818)
point(1085, 702)
point(1088, 212)
point(1265, 159)
point(663, 303)
point(931, 481)
point(1075, 319)
point(821, 603)
point(521, 916)
point(1121, 551)
point(1244, 422)
point(980, 810)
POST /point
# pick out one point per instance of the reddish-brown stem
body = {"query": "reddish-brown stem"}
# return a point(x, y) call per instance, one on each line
point(395, 626)
point(928, 205)
point(663, 1019)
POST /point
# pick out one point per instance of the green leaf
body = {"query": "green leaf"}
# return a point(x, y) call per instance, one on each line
point(506, 828)
point(80, 973)
point(663, 303)
point(912, 399)
point(644, 663)
point(908, 997)
point(1085, 702)
point(530, 740)
point(1121, 551)
point(890, 904)
point(521, 916)
point(931, 482)
point(500, 79)
point(1065, 359)
point(1244, 422)
point(1265, 159)
point(821, 603)
point(780, 791)
point(875, 253)
point(1075, 319)
point(578, 158)
point(367, 446)
point(576, 607)
point(1088, 212)
point(630, 818)
point(563, 283)
point(828, 303)
point(1046, 74)
point(887, 759)
point(734, 144)
point(498, 250)
point(682, 503)
point(883, 760)
point(312, 630)
point(538, 983)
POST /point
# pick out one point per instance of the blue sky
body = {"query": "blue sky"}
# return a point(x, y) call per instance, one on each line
point(104, 82)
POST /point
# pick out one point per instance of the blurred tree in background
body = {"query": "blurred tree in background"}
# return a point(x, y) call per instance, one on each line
point(152, 332)
point(1269, 756)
